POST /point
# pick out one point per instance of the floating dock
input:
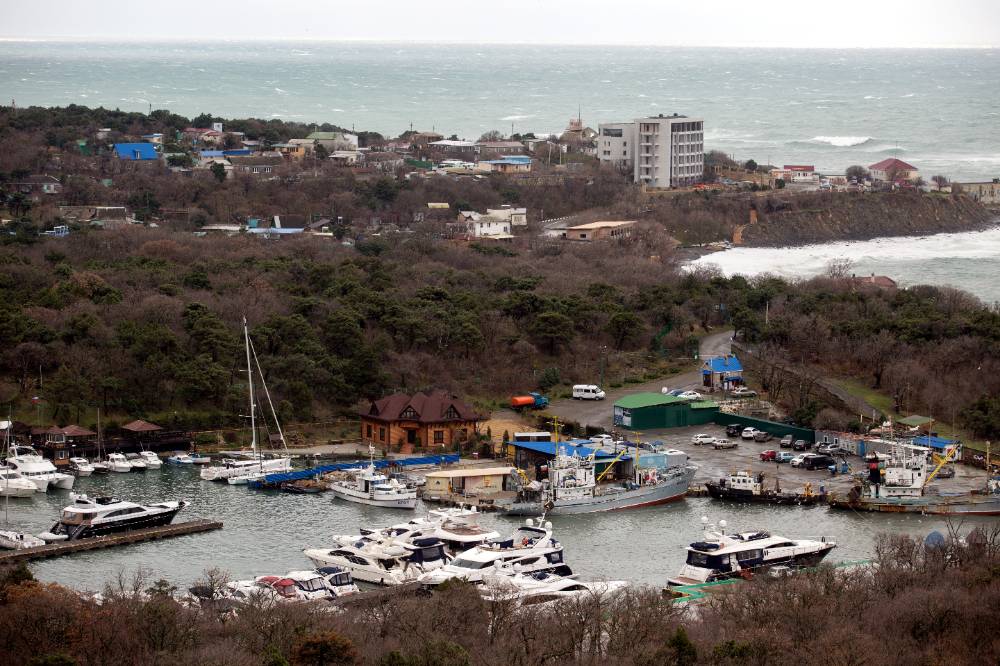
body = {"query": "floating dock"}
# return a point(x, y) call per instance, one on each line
point(123, 539)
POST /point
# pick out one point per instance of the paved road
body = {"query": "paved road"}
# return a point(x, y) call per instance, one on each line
point(599, 413)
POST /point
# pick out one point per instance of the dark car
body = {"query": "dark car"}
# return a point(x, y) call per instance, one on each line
point(786, 441)
point(818, 462)
point(802, 445)
point(761, 436)
point(734, 429)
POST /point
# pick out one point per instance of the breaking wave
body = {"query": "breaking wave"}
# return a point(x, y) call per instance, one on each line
point(842, 141)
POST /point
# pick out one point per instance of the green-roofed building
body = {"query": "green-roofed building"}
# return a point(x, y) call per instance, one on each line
point(652, 411)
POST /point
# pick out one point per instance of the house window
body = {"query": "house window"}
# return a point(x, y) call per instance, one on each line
point(409, 413)
point(439, 436)
point(452, 413)
point(381, 434)
point(368, 431)
point(61, 455)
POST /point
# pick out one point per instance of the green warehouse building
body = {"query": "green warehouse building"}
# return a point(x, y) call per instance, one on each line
point(651, 411)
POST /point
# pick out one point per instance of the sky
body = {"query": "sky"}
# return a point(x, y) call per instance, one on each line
point(884, 23)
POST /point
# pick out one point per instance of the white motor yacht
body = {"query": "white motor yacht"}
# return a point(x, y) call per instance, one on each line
point(180, 459)
point(383, 562)
point(370, 487)
point(37, 469)
point(137, 463)
point(81, 466)
point(12, 484)
point(100, 467)
point(117, 462)
point(18, 540)
point(231, 467)
point(531, 547)
point(327, 583)
point(151, 459)
point(542, 587)
point(457, 527)
point(90, 517)
point(719, 555)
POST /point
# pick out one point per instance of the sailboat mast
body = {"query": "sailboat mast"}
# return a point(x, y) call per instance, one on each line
point(253, 416)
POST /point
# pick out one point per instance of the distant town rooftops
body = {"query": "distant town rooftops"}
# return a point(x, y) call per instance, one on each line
point(136, 151)
point(809, 168)
point(604, 225)
point(500, 144)
point(452, 143)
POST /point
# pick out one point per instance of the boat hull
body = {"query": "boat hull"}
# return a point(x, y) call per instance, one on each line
point(156, 520)
point(268, 466)
point(933, 506)
point(351, 495)
point(799, 560)
point(18, 491)
point(737, 495)
point(672, 490)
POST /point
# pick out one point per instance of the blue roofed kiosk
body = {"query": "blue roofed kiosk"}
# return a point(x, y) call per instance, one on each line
point(722, 372)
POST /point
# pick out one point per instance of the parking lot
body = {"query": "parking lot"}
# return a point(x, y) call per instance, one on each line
point(715, 464)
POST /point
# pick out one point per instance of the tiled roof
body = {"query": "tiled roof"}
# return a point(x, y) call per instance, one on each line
point(141, 426)
point(430, 407)
point(892, 163)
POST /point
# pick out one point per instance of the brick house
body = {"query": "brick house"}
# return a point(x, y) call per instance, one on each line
point(434, 421)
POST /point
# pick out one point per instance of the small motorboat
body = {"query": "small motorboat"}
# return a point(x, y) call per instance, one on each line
point(100, 467)
point(200, 459)
point(151, 459)
point(18, 540)
point(117, 462)
point(180, 459)
point(137, 463)
point(81, 466)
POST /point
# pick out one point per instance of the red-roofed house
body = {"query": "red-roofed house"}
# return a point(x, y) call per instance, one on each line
point(891, 170)
point(801, 172)
point(434, 421)
point(61, 444)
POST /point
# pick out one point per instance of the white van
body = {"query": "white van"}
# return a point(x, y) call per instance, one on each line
point(587, 392)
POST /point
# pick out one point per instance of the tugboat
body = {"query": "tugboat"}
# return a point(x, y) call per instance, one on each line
point(573, 487)
point(899, 485)
point(90, 517)
point(720, 556)
point(743, 486)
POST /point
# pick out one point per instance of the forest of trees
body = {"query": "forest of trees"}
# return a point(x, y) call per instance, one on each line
point(913, 604)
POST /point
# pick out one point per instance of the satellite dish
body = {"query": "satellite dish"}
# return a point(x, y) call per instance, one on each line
point(704, 520)
point(722, 524)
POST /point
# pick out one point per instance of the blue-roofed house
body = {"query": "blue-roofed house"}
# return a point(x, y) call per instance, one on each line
point(723, 372)
point(136, 152)
point(940, 445)
point(509, 164)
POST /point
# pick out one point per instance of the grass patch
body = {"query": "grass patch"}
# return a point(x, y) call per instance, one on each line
point(874, 398)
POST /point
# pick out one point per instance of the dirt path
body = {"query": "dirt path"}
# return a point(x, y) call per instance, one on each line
point(599, 412)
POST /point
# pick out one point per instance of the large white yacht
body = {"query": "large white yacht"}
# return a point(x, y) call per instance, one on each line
point(458, 528)
point(89, 517)
point(37, 469)
point(529, 549)
point(719, 555)
point(368, 486)
point(543, 588)
point(383, 562)
point(12, 484)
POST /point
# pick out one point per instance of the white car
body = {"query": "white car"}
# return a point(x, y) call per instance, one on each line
point(587, 392)
point(743, 392)
point(800, 459)
point(748, 433)
point(702, 438)
point(690, 395)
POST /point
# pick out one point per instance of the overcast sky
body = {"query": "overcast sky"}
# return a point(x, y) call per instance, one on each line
point(883, 23)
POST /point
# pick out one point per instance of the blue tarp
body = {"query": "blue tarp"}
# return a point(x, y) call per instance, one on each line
point(340, 467)
point(934, 442)
point(136, 151)
point(723, 364)
point(549, 448)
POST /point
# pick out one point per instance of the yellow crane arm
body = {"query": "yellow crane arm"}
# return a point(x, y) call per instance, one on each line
point(611, 464)
point(941, 463)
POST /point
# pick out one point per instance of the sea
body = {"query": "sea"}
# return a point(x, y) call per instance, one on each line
point(936, 108)
point(265, 531)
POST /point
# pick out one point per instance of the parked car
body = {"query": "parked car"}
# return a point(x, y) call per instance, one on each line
point(748, 433)
point(831, 450)
point(769, 454)
point(786, 442)
point(761, 436)
point(801, 445)
point(734, 429)
point(603, 440)
point(587, 392)
point(742, 392)
point(724, 444)
point(799, 460)
point(690, 395)
point(946, 472)
point(702, 438)
point(783, 457)
point(816, 461)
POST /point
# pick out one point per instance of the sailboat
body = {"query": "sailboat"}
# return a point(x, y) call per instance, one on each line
point(13, 484)
point(242, 472)
point(99, 466)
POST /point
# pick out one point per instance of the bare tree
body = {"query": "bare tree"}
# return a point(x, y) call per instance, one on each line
point(940, 181)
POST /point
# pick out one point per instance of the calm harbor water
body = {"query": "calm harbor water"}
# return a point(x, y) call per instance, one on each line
point(968, 260)
point(265, 532)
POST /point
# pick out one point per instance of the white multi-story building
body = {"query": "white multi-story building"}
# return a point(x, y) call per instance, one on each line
point(663, 151)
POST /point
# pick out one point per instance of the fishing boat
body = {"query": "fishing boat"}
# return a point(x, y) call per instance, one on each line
point(742, 486)
point(899, 484)
point(37, 469)
point(719, 556)
point(573, 486)
point(257, 466)
point(531, 547)
point(383, 562)
point(81, 466)
point(89, 517)
point(368, 486)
